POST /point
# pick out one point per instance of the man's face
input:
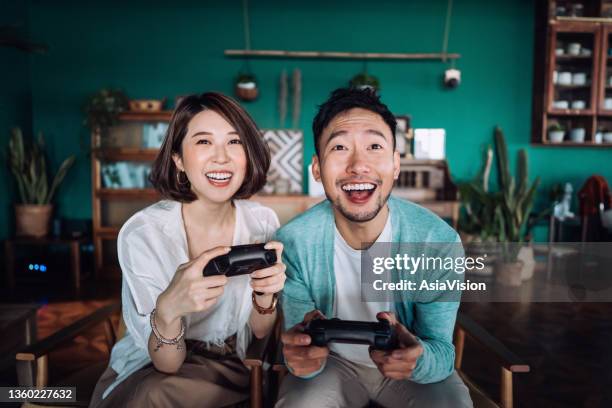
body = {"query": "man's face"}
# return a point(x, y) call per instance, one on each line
point(357, 164)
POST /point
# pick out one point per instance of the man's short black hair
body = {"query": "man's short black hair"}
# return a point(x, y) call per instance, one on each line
point(344, 99)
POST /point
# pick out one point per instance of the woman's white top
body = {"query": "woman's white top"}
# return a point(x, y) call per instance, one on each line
point(151, 246)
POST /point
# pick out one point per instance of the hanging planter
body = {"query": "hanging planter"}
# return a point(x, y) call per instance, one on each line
point(246, 87)
point(365, 81)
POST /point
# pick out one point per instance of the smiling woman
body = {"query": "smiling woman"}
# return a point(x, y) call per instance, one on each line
point(194, 329)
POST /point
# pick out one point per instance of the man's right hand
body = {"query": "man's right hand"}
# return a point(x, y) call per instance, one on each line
point(302, 358)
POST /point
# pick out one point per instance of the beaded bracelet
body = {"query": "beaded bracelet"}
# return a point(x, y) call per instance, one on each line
point(161, 340)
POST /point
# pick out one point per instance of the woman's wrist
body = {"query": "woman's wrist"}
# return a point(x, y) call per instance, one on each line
point(264, 299)
point(165, 318)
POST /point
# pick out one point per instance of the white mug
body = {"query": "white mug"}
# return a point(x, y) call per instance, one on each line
point(578, 104)
point(573, 48)
point(579, 78)
point(577, 135)
point(564, 78)
point(560, 104)
point(608, 103)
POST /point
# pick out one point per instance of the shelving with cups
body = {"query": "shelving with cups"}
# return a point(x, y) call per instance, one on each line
point(572, 101)
point(121, 161)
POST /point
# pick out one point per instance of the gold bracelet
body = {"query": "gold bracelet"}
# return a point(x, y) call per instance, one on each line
point(264, 310)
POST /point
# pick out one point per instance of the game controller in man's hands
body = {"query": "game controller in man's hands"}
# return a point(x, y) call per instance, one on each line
point(241, 260)
point(380, 335)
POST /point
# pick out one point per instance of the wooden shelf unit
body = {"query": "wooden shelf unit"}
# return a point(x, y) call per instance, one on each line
point(554, 33)
point(114, 204)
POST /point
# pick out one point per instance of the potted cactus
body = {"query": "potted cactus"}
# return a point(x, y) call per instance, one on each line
point(29, 166)
point(502, 216)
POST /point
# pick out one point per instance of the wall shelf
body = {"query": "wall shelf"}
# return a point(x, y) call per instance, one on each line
point(340, 55)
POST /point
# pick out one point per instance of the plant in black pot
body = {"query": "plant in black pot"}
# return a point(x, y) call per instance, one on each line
point(365, 80)
point(246, 87)
point(28, 164)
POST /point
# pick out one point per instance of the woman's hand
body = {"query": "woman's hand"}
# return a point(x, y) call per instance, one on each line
point(189, 291)
point(270, 280)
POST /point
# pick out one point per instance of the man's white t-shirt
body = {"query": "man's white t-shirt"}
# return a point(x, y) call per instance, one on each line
point(348, 304)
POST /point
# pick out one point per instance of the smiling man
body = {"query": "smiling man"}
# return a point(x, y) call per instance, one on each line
point(357, 163)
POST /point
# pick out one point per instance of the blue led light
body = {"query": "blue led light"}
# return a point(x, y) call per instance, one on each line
point(36, 267)
point(31, 267)
point(43, 268)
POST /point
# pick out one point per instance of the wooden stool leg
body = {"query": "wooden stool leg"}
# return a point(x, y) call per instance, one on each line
point(506, 388)
point(75, 264)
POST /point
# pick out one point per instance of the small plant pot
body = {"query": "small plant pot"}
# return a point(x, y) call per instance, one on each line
point(509, 273)
point(247, 91)
point(32, 220)
point(556, 136)
point(577, 135)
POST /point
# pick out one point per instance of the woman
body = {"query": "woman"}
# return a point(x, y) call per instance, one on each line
point(212, 159)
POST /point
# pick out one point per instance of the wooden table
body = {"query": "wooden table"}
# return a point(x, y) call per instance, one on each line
point(75, 256)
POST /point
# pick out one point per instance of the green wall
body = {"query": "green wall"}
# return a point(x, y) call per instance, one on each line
point(15, 105)
point(156, 49)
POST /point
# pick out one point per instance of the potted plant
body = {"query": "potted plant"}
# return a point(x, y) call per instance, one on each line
point(102, 109)
point(556, 132)
point(29, 166)
point(502, 216)
point(246, 87)
point(365, 80)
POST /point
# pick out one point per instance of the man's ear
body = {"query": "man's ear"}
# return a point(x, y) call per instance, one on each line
point(316, 168)
point(396, 165)
point(178, 161)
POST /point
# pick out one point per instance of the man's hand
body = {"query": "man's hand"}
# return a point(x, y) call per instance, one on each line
point(302, 358)
point(397, 364)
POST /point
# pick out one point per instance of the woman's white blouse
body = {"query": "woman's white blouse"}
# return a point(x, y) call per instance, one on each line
point(151, 245)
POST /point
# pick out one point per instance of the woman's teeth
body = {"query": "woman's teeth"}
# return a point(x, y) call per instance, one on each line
point(358, 187)
point(219, 176)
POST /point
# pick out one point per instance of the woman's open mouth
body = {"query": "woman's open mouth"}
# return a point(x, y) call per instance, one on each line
point(358, 193)
point(219, 178)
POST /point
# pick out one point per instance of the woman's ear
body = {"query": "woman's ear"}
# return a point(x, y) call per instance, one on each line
point(178, 161)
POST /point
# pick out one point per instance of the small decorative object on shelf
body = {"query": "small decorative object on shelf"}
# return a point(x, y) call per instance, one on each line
point(556, 132)
point(577, 135)
point(147, 105)
point(246, 87)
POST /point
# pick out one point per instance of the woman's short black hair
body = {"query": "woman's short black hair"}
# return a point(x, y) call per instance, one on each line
point(344, 99)
point(164, 172)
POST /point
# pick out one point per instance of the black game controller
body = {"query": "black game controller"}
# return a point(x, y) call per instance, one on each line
point(379, 335)
point(241, 260)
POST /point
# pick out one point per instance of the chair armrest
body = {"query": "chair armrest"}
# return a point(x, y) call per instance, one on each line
point(43, 347)
point(505, 357)
point(261, 350)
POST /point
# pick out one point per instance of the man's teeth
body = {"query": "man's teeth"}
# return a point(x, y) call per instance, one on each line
point(361, 186)
point(219, 176)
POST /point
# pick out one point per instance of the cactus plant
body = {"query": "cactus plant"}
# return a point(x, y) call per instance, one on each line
point(499, 216)
point(29, 166)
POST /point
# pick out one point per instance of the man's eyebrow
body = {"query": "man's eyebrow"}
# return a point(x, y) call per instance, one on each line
point(344, 132)
point(205, 133)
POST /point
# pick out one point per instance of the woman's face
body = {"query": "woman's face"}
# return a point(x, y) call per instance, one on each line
point(213, 157)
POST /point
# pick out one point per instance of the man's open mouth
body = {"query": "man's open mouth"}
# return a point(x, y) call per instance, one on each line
point(359, 193)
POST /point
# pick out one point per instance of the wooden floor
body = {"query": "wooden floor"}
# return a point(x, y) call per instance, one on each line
point(569, 346)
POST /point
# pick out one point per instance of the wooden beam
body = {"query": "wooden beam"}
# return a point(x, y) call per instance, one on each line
point(340, 55)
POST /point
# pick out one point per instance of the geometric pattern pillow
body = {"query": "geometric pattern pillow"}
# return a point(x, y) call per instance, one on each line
point(287, 153)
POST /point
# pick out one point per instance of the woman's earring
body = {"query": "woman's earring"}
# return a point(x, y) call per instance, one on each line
point(178, 179)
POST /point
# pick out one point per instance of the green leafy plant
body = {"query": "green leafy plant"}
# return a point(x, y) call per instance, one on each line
point(29, 166)
point(500, 216)
point(555, 127)
point(102, 109)
point(365, 80)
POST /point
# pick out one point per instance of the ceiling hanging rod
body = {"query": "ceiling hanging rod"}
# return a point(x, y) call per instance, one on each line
point(340, 55)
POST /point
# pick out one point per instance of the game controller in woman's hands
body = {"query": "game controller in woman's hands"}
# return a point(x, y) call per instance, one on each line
point(241, 260)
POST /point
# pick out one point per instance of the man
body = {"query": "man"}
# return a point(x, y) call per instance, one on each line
point(357, 163)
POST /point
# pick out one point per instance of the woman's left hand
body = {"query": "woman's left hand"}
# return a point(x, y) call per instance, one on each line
point(270, 280)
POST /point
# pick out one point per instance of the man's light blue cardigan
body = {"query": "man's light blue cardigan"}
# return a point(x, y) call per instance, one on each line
point(308, 254)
